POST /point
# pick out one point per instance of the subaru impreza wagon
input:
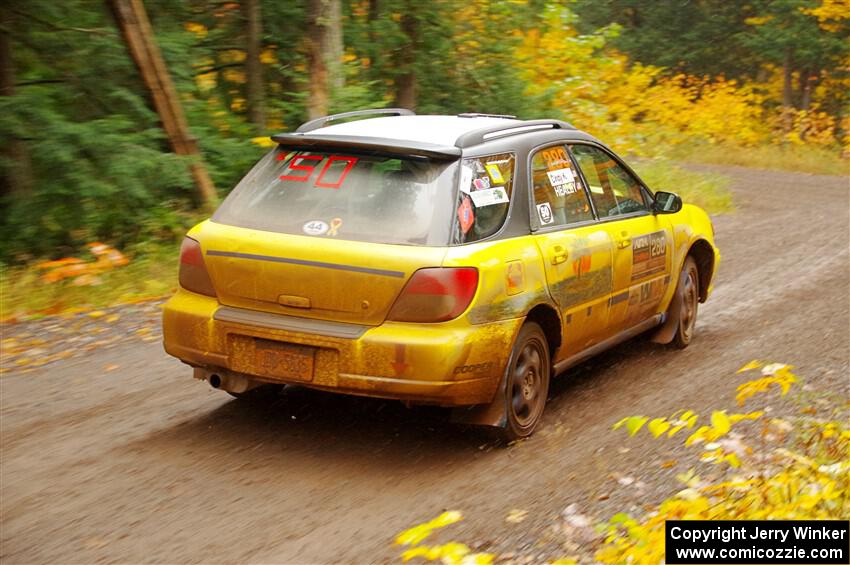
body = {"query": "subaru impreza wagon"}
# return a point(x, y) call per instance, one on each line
point(462, 261)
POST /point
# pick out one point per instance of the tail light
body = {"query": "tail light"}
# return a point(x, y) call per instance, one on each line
point(435, 295)
point(193, 271)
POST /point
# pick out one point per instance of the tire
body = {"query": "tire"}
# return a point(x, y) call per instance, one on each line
point(689, 291)
point(526, 383)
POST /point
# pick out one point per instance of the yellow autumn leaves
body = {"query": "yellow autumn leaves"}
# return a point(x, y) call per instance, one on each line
point(809, 482)
point(721, 423)
point(451, 553)
point(774, 374)
point(639, 107)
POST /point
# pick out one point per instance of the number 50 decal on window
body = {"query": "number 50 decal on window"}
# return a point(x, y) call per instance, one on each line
point(296, 164)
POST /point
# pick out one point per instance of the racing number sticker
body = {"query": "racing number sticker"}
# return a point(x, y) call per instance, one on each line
point(315, 227)
point(649, 255)
point(296, 164)
point(556, 158)
point(545, 212)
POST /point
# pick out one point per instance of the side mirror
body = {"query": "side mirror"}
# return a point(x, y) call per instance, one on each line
point(666, 203)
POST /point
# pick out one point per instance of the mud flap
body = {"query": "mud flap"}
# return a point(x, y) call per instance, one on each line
point(493, 414)
point(668, 329)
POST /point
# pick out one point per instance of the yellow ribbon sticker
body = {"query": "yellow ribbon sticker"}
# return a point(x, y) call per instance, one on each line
point(336, 223)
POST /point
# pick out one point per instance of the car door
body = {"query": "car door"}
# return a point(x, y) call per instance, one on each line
point(642, 240)
point(576, 249)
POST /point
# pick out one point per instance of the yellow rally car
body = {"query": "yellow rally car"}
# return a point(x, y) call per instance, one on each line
point(453, 260)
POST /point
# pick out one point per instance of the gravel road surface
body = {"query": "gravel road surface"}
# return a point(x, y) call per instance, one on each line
point(111, 452)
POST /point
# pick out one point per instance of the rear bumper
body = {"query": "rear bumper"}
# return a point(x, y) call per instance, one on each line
point(452, 364)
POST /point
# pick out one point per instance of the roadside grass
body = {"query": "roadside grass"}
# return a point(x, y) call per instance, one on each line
point(151, 273)
point(794, 158)
point(709, 191)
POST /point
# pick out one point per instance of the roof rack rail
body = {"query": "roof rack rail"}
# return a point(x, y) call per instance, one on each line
point(478, 115)
point(479, 136)
point(369, 145)
point(320, 122)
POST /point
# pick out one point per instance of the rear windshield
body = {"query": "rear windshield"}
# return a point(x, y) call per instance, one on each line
point(379, 199)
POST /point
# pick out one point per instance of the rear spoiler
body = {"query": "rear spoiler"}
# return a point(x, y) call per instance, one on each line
point(370, 145)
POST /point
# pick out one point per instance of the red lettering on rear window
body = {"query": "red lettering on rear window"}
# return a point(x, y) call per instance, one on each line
point(295, 165)
point(350, 162)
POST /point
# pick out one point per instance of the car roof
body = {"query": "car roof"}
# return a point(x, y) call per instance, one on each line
point(400, 131)
point(435, 129)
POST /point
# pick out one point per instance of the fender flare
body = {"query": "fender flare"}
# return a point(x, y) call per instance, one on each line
point(495, 413)
point(670, 326)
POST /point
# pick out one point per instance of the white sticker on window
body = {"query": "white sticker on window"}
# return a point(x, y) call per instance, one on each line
point(565, 189)
point(560, 176)
point(545, 212)
point(315, 227)
point(466, 179)
point(489, 196)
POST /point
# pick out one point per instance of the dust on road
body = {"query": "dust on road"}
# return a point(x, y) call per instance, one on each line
point(140, 463)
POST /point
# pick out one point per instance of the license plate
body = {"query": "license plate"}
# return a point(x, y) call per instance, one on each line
point(284, 360)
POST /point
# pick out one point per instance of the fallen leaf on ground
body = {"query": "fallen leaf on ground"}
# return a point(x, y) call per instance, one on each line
point(516, 516)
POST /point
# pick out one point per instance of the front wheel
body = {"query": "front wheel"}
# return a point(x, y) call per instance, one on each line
point(527, 383)
point(689, 289)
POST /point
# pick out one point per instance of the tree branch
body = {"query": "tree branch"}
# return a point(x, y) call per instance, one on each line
point(218, 68)
point(41, 81)
point(55, 27)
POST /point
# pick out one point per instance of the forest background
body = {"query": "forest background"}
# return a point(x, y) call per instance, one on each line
point(84, 158)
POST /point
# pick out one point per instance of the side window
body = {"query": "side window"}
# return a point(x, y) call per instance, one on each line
point(559, 198)
point(614, 191)
point(486, 184)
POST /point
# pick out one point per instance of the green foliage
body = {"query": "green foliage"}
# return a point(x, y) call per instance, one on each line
point(88, 159)
point(682, 36)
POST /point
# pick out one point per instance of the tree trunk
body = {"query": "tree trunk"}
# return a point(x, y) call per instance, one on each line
point(807, 82)
point(138, 35)
point(787, 92)
point(317, 46)
point(336, 50)
point(371, 18)
point(253, 67)
point(405, 83)
point(18, 179)
point(373, 49)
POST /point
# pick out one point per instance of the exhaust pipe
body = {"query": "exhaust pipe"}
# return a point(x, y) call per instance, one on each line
point(230, 382)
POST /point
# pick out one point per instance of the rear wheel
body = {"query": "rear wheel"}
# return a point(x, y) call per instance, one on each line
point(689, 290)
point(527, 383)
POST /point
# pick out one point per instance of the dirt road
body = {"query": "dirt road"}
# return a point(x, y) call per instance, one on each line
point(118, 455)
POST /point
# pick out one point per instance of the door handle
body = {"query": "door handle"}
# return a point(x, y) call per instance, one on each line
point(623, 243)
point(559, 256)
